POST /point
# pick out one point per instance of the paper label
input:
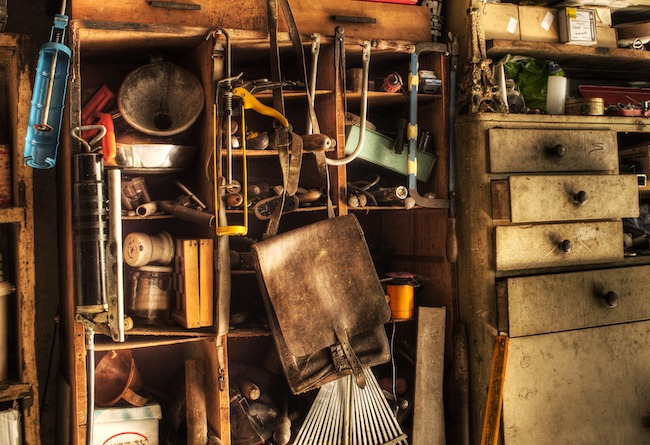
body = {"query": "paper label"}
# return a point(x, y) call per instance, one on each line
point(580, 28)
point(548, 21)
point(512, 25)
point(571, 13)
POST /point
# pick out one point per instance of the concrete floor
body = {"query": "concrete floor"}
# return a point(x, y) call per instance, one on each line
point(35, 17)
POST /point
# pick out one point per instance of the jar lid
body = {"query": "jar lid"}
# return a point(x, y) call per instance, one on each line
point(167, 269)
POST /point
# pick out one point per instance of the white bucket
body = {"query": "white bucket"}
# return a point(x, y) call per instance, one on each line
point(6, 290)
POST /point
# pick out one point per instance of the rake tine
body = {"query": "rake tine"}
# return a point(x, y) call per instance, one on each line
point(386, 425)
point(344, 414)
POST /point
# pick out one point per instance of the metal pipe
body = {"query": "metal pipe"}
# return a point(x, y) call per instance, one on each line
point(187, 214)
point(43, 126)
point(365, 60)
point(115, 268)
point(315, 51)
point(90, 384)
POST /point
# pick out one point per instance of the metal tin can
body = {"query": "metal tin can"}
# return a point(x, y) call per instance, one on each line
point(585, 107)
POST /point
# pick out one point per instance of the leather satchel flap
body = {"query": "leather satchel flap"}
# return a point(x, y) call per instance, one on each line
point(320, 279)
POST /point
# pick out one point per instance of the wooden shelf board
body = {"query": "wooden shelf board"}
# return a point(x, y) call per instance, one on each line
point(12, 215)
point(389, 99)
point(104, 344)
point(289, 94)
point(375, 208)
point(255, 153)
point(242, 272)
point(14, 391)
point(144, 218)
point(589, 58)
point(245, 333)
point(299, 209)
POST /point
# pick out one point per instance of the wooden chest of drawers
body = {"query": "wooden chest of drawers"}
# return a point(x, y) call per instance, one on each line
point(541, 259)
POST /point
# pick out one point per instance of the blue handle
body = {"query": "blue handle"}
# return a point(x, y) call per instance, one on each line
point(42, 140)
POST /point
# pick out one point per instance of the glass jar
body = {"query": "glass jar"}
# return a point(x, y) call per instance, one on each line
point(150, 295)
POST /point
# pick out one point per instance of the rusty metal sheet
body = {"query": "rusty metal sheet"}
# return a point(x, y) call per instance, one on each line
point(551, 150)
point(558, 198)
point(560, 302)
point(535, 246)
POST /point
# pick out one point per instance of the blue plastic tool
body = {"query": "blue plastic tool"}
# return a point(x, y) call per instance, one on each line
point(48, 98)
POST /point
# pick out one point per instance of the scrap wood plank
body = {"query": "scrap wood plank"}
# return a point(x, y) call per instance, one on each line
point(494, 404)
point(428, 411)
point(196, 412)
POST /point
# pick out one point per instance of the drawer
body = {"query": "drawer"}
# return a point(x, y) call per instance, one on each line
point(392, 21)
point(583, 387)
point(549, 245)
point(565, 198)
point(561, 302)
point(248, 14)
point(528, 150)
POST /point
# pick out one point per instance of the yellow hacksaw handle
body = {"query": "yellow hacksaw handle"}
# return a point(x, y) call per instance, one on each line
point(251, 102)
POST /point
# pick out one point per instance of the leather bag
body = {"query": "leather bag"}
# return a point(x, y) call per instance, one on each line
point(325, 303)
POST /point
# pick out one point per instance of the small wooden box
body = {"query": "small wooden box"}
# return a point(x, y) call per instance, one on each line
point(193, 283)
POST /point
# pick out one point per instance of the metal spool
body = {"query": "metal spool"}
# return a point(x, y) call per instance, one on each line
point(160, 99)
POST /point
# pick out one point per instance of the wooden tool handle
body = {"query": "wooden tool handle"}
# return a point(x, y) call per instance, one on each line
point(452, 241)
point(317, 142)
point(250, 390)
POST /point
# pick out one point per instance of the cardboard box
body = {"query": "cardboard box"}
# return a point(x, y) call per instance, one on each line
point(639, 157)
point(606, 37)
point(603, 16)
point(538, 24)
point(122, 425)
point(577, 26)
point(500, 21)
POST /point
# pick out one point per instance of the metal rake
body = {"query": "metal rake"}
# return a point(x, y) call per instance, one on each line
point(344, 414)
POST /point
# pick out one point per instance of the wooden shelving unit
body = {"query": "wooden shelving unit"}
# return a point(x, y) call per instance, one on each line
point(22, 386)
point(418, 234)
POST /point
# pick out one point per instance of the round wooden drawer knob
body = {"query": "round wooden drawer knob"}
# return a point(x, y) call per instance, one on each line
point(610, 299)
point(565, 246)
point(558, 151)
point(580, 197)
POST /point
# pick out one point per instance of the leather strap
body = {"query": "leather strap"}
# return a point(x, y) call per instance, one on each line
point(276, 76)
point(351, 357)
point(294, 35)
point(291, 157)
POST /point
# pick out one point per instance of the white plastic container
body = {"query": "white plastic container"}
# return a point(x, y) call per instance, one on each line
point(10, 429)
point(556, 94)
point(129, 424)
point(6, 291)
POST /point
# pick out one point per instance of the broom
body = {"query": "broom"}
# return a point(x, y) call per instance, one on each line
point(344, 414)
